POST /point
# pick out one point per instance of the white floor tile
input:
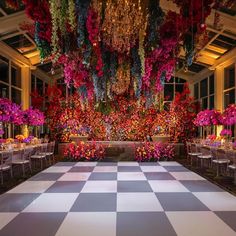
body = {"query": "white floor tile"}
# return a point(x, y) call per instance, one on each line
point(100, 187)
point(88, 224)
point(32, 187)
point(167, 186)
point(52, 202)
point(131, 176)
point(84, 163)
point(198, 224)
point(74, 176)
point(186, 176)
point(169, 163)
point(57, 169)
point(217, 201)
point(5, 218)
point(128, 163)
point(153, 169)
point(138, 202)
point(105, 169)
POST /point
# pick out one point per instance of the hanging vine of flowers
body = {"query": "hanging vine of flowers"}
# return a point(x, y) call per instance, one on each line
point(121, 47)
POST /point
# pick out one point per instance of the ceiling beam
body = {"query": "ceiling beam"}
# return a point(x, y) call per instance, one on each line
point(14, 55)
point(11, 22)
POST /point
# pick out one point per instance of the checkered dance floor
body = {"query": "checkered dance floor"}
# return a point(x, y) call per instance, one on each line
point(122, 199)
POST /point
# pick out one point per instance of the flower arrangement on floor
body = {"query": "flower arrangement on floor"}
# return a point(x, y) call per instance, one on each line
point(154, 152)
point(84, 151)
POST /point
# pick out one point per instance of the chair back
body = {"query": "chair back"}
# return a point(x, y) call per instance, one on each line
point(214, 152)
point(44, 147)
point(231, 155)
point(220, 154)
point(188, 146)
point(52, 147)
point(6, 157)
point(27, 153)
point(205, 150)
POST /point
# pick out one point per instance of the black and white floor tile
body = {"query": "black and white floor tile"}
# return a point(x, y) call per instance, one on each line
point(117, 199)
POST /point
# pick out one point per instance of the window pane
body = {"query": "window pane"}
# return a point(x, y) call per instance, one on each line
point(39, 86)
point(203, 88)
point(204, 103)
point(179, 88)
point(16, 95)
point(167, 106)
point(168, 92)
point(4, 72)
point(212, 84)
point(229, 80)
point(196, 86)
point(229, 97)
point(16, 77)
point(171, 81)
point(32, 83)
point(4, 91)
point(180, 81)
point(212, 102)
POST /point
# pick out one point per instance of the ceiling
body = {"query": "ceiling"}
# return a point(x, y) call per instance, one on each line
point(219, 41)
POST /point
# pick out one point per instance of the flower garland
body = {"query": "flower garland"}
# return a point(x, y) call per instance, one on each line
point(82, 7)
point(71, 15)
point(121, 24)
point(38, 11)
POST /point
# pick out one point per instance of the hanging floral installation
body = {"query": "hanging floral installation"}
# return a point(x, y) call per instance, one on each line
point(109, 48)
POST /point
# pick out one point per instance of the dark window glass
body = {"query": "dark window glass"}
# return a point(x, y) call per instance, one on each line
point(16, 77)
point(229, 97)
point(45, 87)
point(179, 88)
point(4, 91)
point(229, 79)
point(171, 81)
point(167, 106)
point(204, 103)
point(39, 86)
point(180, 81)
point(203, 88)
point(212, 84)
point(4, 72)
point(15, 130)
point(196, 87)
point(32, 83)
point(16, 95)
point(168, 92)
point(212, 102)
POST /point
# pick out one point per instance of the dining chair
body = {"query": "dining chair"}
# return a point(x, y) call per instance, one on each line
point(232, 167)
point(194, 152)
point(6, 163)
point(205, 156)
point(39, 154)
point(220, 161)
point(50, 152)
point(23, 159)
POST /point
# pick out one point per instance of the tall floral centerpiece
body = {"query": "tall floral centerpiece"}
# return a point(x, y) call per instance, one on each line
point(33, 118)
point(229, 117)
point(10, 113)
point(208, 119)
